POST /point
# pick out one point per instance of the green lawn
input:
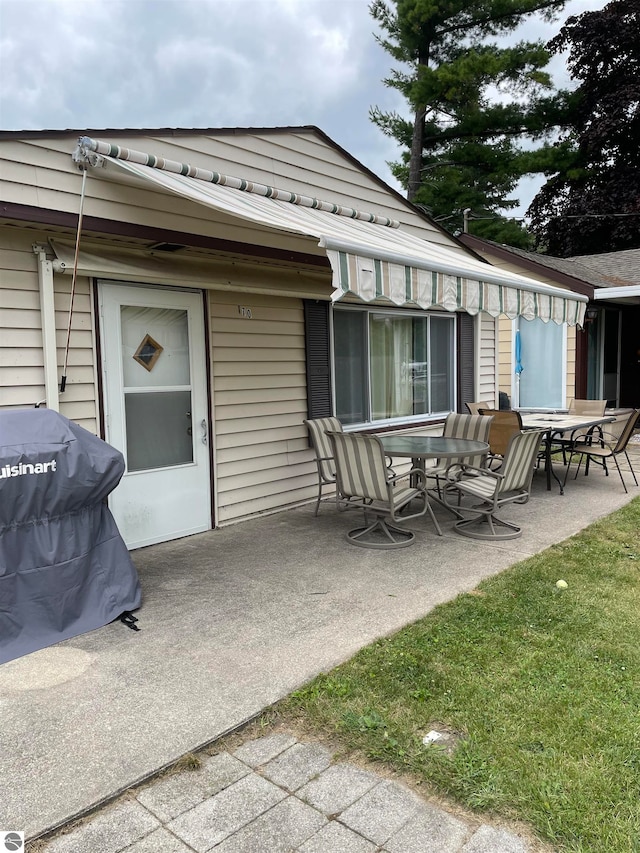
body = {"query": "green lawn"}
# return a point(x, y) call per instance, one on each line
point(542, 685)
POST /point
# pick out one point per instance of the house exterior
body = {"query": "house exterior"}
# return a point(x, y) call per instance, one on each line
point(192, 295)
point(603, 357)
point(612, 355)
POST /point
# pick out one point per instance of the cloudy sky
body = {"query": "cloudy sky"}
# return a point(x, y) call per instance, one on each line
point(90, 64)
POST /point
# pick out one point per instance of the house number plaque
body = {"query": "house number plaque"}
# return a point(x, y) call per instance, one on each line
point(244, 312)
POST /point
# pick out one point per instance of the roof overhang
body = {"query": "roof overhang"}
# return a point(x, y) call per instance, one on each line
point(618, 293)
point(371, 257)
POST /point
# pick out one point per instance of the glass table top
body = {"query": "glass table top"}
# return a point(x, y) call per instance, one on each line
point(431, 445)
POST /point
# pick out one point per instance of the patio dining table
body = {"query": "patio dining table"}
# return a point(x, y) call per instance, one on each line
point(421, 447)
point(555, 426)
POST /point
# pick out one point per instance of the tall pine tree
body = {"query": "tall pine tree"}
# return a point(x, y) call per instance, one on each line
point(592, 204)
point(477, 105)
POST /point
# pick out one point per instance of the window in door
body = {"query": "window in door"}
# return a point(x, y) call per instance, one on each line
point(157, 387)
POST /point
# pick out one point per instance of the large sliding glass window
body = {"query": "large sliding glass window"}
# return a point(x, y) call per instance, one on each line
point(391, 365)
point(541, 384)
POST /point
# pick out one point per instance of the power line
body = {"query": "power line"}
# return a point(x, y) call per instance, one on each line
point(592, 215)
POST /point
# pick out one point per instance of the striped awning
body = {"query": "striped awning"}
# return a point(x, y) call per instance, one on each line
point(411, 280)
point(371, 257)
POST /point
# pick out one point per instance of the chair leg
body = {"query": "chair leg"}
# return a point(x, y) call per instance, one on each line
point(396, 537)
point(319, 498)
point(468, 527)
point(631, 467)
point(433, 518)
point(438, 487)
point(621, 477)
point(566, 473)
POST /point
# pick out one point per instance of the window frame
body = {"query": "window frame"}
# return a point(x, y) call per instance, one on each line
point(405, 420)
point(563, 367)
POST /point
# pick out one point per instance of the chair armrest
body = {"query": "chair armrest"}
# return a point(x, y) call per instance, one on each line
point(587, 433)
point(394, 478)
point(475, 472)
point(456, 470)
point(605, 439)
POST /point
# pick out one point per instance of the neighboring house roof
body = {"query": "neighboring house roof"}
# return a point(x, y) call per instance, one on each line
point(613, 271)
point(616, 268)
point(567, 274)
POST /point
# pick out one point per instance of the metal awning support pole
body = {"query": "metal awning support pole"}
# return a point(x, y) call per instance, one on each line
point(63, 378)
point(48, 322)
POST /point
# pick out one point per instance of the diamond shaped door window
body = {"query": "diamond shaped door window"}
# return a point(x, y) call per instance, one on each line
point(148, 352)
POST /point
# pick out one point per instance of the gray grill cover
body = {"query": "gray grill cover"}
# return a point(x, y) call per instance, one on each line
point(64, 568)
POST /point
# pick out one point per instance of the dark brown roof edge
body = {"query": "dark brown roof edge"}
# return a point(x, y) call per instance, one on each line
point(234, 131)
point(58, 133)
point(574, 284)
point(97, 225)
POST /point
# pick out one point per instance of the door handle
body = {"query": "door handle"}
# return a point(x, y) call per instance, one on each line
point(203, 424)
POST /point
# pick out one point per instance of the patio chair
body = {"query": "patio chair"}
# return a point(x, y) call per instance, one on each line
point(495, 489)
point(474, 427)
point(587, 407)
point(579, 407)
point(606, 446)
point(324, 454)
point(474, 408)
point(365, 482)
point(504, 425)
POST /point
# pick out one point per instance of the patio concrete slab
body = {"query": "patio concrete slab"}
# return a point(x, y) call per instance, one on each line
point(488, 839)
point(233, 620)
point(431, 825)
point(382, 811)
point(125, 823)
point(297, 766)
point(338, 787)
point(231, 810)
point(251, 815)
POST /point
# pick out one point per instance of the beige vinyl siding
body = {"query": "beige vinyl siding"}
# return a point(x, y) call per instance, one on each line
point(487, 359)
point(21, 354)
point(302, 162)
point(262, 458)
point(40, 172)
point(57, 186)
point(78, 401)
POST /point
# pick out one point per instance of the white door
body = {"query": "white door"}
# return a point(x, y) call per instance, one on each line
point(156, 410)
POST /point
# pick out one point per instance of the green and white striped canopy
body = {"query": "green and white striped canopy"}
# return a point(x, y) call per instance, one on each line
point(371, 256)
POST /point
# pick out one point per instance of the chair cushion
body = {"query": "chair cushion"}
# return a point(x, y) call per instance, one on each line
point(482, 487)
point(403, 494)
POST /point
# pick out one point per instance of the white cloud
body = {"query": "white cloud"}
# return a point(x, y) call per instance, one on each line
point(198, 63)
